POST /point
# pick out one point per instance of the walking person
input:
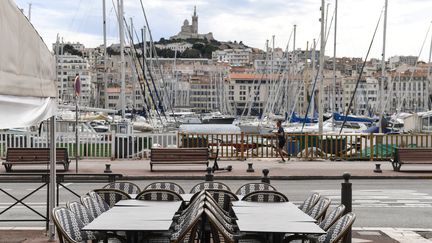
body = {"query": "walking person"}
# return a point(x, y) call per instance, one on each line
point(281, 140)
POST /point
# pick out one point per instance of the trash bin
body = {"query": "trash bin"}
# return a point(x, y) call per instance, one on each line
point(191, 141)
point(292, 146)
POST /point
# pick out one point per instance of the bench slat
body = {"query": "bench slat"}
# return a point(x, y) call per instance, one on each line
point(31, 156)
point(178, 156)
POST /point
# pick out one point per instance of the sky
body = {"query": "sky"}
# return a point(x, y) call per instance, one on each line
point(250, 21)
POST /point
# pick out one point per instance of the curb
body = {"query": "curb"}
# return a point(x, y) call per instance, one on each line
point(227, 177)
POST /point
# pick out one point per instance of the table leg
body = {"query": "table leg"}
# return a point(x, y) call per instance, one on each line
point(131, 237)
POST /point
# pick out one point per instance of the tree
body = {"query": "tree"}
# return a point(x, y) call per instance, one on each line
point(208, 50)
point(191, 53)
point(71, 50)
point(167, 53)
point(111, 52)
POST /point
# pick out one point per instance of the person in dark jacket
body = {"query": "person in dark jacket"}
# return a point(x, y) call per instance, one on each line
point(281, 140)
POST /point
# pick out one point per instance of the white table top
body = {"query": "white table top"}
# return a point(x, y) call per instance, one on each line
point(143, 203)
point(149, 217)
point(283, 217)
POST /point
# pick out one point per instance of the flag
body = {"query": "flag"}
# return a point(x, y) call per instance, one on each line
point(77, 85)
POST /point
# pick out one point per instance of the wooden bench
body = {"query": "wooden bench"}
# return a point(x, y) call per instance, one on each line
point(411, 156)
point(179, 156)
point(32, 156)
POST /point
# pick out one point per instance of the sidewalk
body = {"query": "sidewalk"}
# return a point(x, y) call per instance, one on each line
point(360, 235)
point(293, 169)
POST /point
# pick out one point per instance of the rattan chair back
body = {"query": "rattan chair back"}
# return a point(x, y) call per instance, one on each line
point(265, 196)
point(159, 195)
point(166, 186)
point(252, 187)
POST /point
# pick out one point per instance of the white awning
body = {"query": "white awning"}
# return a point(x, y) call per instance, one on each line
point(16, 111)
point(27, 71)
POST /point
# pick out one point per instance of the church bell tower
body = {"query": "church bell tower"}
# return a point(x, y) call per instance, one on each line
point(195, 22)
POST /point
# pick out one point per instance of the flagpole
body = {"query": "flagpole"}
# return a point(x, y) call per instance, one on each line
point(77, 90)
point(76, 134)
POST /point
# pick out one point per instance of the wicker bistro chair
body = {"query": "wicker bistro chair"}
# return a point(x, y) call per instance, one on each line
point(186, 232)
point(69, 226)
point(228, 216)
point(95, 204)
point(319, 210)
point(128, 187)
point(333, 235)
point(332, 217)
point(81, 212)
point(223, 198)
point(167, 186)
point(112, 196)
point(209, 185)
point(159, 195)
point(338, 230)
point(252, 187)
point(309, 202)
point(265, 196)
point(221, 233)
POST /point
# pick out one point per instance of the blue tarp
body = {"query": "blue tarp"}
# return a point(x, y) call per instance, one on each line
point(295, 118)
point(339, 117)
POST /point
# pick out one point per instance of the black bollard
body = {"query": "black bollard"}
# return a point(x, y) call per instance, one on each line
point(250, 168)
point(107, 168)
point(209, 176)
point(346, 199)
point(265, 178)
point(378, 168)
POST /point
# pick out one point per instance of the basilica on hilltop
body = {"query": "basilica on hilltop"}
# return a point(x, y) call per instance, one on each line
point(191, 30)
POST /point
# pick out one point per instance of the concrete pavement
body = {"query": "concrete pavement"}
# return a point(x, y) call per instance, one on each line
point(293, 169)
point(360, 235)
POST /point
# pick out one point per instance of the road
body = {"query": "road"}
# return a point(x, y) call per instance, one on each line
point(377, 203)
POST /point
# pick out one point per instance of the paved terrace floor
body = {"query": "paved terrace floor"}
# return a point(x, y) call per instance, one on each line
point(360, 235)
point(293, 169)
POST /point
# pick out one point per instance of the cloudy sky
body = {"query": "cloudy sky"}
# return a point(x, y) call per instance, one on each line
point(252, 21)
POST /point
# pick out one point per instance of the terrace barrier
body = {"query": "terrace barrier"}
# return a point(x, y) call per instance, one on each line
point(307, 145)
point(241, 146)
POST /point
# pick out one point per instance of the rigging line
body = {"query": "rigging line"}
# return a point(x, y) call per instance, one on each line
point(145, 78)
point(157, 59)
point(249, 101)
point(316, 75)
point(256, 92)
point(313, 93)
point(270, 105)
point(281, 79)
point(361, 73)
point(134, 59)
point(415, 66)
point(74, 16)
point(329, 28)
point(151, 77)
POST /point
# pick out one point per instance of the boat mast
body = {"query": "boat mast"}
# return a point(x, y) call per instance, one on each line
point(104, 75)
point(312, 95)
point(134, 71)
point(29, 12)
point(429, 76)
point(122, 58)
point(294, 65)
point(321, 72)
point(381, 99)
point(334, 64)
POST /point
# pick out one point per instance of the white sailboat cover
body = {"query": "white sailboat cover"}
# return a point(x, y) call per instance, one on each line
point(27, 71)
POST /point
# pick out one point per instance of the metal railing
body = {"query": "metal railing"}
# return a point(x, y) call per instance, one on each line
point(41, 184)
point(307, 146)
point(91, 145)
point(240, 146)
